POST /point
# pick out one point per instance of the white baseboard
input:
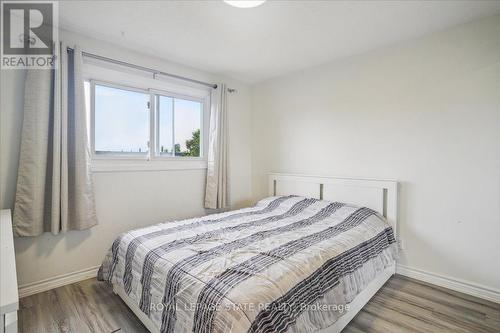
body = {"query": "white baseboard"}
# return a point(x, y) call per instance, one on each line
point(465, 287)
point(57, 281)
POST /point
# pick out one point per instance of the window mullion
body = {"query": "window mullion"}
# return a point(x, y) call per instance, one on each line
point(157, 125)
point(173, 127)
point(152, 126)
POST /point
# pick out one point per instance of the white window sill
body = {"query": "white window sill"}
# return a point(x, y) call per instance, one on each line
point(114, 165)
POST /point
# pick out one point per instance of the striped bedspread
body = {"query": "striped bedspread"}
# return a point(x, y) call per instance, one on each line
point(288, 264)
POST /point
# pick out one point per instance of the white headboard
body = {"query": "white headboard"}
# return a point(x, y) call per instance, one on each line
point(379, 195)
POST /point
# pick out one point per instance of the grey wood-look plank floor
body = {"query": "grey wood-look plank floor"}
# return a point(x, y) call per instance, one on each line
point(402, 305)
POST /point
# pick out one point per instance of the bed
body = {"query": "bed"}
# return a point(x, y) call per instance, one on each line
point(305, 259)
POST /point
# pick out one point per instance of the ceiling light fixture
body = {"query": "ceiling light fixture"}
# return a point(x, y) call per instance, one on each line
point(245, 3)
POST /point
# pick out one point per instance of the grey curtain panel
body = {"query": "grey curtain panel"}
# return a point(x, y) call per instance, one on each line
point(217, 188)
point(54, 183)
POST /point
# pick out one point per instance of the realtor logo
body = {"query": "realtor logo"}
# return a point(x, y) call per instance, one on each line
point(28, 34)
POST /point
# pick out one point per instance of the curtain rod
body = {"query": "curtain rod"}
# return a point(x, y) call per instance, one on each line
point(146, 69)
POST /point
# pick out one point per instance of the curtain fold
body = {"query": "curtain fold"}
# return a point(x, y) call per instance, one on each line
point(54, 185)
point(217, 187)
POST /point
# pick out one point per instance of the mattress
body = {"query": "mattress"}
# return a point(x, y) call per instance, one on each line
point(288, 264)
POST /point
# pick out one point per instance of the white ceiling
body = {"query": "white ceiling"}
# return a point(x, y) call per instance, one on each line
point(259, 43)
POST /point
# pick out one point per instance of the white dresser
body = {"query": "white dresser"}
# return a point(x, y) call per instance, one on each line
point(9, 298)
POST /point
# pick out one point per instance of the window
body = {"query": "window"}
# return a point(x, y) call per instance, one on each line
point(144, 123)
point(121, 119)
point(179, 122)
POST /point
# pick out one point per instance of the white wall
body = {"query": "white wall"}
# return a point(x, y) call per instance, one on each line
point(427, 113)
point(124, 200)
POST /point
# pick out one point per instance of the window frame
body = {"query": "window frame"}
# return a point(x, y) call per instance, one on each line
point(96, 72)
point(109, 154)
point(154, 132)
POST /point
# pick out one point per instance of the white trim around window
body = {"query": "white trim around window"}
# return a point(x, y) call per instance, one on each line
point(152, 160)
point(173, 164)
